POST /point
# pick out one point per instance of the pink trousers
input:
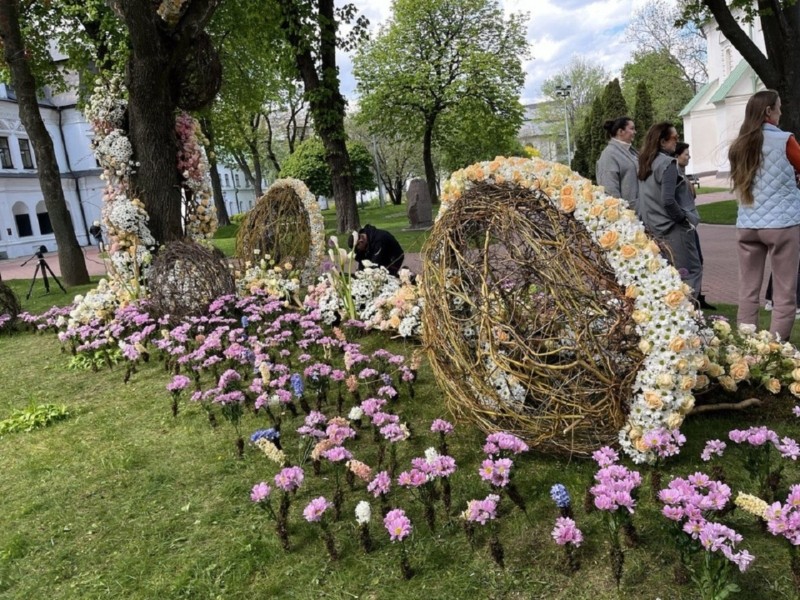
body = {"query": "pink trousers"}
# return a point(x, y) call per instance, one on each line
point(783, 248)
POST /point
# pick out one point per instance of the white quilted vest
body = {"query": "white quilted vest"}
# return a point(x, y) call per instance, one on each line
point(776, 199)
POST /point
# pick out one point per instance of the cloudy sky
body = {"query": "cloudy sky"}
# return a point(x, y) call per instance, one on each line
point(557, 29)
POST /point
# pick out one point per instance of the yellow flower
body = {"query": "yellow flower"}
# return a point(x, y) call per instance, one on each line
point(751, 504)
point(677, 344)
point(653, 399)
point(674, 298)
point(596, 210)
point(674, 420)
point(739, 371)
point(612, 214)
point(773, 385)
point(567, 204)
point(794, 388)
point(627, 251)
point(701, 382)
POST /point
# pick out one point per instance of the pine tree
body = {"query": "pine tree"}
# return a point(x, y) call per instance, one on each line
point(597, 135)
point(643, 115)
point(613, 107)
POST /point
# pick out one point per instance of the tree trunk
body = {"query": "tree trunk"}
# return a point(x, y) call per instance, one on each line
point(427, 159)
point(256, 176)
point(216, 185)
point(326, 103)
point(396, 194)
point(70, 257)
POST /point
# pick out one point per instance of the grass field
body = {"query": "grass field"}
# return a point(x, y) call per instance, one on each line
point(718, 213)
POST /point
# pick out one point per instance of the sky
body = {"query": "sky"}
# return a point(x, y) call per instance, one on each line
point(556, 30)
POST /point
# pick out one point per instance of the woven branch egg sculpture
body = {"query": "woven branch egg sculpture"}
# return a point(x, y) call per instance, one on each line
point(10, 307)
point(526, 327)
point(185, 278)
point(285, 224)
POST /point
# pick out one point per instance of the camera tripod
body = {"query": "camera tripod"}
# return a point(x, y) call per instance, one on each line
point(45, 268)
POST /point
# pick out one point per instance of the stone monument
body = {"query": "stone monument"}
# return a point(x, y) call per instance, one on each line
point(419, 205)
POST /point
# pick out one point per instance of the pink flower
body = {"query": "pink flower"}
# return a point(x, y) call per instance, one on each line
point(381, 484)
point(713, 447)
point(605, 456)
point(337, 454)
point(412, 478)
point(497, 442)
point(481, 511)
point(566, 532)
point(442, 426)
point(397, 524)
point(260, 491)
point(289, 479)
point(316, 508)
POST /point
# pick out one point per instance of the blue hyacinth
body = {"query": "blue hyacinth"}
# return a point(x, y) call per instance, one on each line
point(297, 385)
point(270, 435)
point(560, 495)
point(245, 322)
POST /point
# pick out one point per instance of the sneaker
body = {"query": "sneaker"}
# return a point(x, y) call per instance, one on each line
point(768, 305)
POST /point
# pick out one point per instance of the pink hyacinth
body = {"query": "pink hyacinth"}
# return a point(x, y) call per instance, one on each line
point(397, 524)
point(372, 405)
point(316, 508)
point(260, 492)
point(413, 478)
point(566, 532)
point(481, 511)
point(614, 488)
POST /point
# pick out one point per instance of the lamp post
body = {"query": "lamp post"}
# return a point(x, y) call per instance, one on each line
point(563, 92)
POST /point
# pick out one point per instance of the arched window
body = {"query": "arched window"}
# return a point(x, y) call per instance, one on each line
point(22, 219)
point(727, 62)
point(45, 227)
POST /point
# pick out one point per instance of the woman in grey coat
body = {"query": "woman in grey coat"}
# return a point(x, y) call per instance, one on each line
point(660, 187)
point(619, 161)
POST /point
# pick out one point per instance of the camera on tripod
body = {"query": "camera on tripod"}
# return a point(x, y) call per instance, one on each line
point(45, 268)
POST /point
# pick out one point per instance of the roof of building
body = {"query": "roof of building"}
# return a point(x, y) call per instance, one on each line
point(697, 97)
point(730, 81)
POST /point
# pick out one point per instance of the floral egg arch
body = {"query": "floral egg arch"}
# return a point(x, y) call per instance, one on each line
point(286, 224)
point(551, 314)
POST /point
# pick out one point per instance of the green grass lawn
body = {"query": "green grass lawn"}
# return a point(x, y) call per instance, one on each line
point(718, 213)
point(122, 500)
point(711, 190)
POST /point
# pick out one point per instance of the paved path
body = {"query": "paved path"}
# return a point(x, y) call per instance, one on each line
point(720, 279)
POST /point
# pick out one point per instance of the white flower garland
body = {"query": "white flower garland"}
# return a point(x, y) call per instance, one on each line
point(316, 250)
point(665, 318)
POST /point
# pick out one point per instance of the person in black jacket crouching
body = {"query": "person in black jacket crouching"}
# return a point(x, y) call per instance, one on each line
point(378, 247)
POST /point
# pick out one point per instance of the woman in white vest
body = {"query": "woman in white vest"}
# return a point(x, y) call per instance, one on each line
point(764, 162)
point(660, 187)
point(617, 165)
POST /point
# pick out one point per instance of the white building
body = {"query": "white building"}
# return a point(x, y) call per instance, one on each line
point(543, 135)
point(24, 221)
point(713, 117)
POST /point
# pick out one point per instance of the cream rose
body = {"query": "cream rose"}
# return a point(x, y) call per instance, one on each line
point(608, 240)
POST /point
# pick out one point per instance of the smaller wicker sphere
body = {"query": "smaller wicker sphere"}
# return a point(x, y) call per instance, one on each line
point(277, 226)
point(185, 278)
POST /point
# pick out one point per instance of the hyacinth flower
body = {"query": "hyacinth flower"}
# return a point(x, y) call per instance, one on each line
point(229, 397)
point(357, 470)
point(314, 512)
point(760, 445)
point(496, 469)
point(783, 520)
point(482, 512)
point(561, 497)
point(399, 527)
point(298, 387)
point(614, 495)
point(566, 534)
point(272, 435)
point(175, 387)
point(363, 517)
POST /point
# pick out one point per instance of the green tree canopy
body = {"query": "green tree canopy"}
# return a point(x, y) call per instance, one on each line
point(643, 115)
point(669, 90)
point(309, 165)
point(436, 58)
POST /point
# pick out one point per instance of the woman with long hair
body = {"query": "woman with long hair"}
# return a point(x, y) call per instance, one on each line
point(764, 163)
point(616, 167)
point(660, 186)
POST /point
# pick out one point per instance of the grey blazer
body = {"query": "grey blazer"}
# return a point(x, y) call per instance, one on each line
point(617, 172)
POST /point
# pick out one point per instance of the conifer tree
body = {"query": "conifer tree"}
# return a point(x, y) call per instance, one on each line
point(643, 113)
point(597, 135)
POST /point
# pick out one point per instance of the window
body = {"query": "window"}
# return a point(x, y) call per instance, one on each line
point(26, 154)
point(227, 180)
point(5, 154)
point(236, 179)
point(45, 227)
point(22, 220)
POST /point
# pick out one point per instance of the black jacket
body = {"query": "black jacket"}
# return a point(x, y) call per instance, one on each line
point(382, 249)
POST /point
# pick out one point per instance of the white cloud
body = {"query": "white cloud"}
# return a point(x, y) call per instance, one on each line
point(556, 30)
